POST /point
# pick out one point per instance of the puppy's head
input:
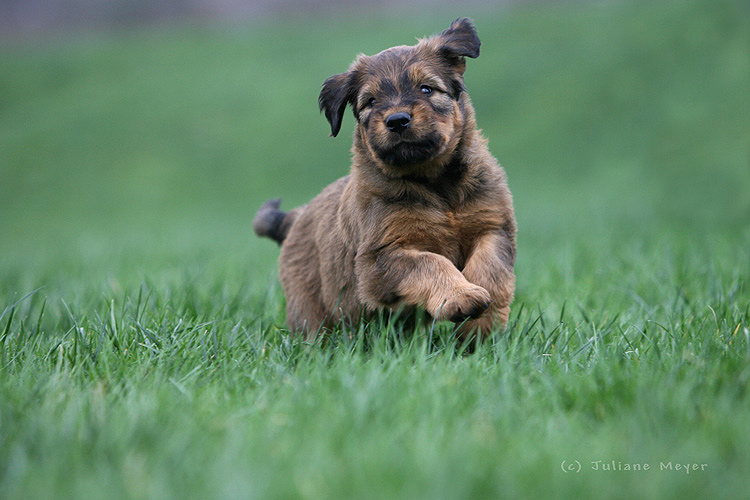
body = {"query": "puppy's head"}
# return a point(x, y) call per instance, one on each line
point(408, 100)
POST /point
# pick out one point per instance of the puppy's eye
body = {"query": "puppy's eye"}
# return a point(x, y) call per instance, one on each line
point(426, 89)
point(370, 102)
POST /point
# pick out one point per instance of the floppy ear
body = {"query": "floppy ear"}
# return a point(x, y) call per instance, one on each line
point(460, 40)
point(337, 91)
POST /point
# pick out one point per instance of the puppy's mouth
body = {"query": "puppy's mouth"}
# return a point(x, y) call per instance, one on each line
point(402, 151)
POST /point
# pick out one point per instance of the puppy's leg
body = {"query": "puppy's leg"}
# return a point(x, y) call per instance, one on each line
point(305, 317)
point(414, 277)
point(490, 265)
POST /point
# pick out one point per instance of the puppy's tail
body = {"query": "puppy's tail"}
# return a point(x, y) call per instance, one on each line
point(272, 222)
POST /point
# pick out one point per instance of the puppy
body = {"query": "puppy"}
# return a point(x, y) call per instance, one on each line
point(425, 217)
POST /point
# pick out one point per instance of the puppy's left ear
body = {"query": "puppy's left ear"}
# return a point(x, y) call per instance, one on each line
point(460, 40)
point(337, 91)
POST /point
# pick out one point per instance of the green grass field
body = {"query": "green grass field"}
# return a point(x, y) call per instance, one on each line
point(143, 352)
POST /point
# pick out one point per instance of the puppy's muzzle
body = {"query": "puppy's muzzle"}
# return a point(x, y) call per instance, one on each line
point(398, 122)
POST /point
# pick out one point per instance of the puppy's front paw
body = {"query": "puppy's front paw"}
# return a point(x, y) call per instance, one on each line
point(469, 302)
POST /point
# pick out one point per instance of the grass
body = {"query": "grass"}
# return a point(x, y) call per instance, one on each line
point(143, 352)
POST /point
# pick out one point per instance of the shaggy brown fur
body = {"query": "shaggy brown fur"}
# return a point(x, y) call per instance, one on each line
point(425, 217)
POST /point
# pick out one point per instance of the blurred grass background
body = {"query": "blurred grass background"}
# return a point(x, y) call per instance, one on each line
point(610, 118)
point(132, 162)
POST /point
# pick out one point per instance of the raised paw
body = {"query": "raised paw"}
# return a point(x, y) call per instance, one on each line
point(469, 302)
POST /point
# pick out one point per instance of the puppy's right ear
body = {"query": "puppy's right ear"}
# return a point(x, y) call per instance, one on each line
point(460, 39)
point(337, 91)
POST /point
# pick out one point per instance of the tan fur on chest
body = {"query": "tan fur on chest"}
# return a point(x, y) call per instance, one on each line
point(448, 233)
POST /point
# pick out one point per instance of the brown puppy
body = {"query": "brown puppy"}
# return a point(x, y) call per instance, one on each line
point(425, 217)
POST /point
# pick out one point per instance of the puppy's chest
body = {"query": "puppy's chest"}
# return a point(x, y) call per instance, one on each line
point(448, 233)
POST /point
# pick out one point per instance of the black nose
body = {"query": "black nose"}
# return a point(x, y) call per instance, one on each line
point(398, 122)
